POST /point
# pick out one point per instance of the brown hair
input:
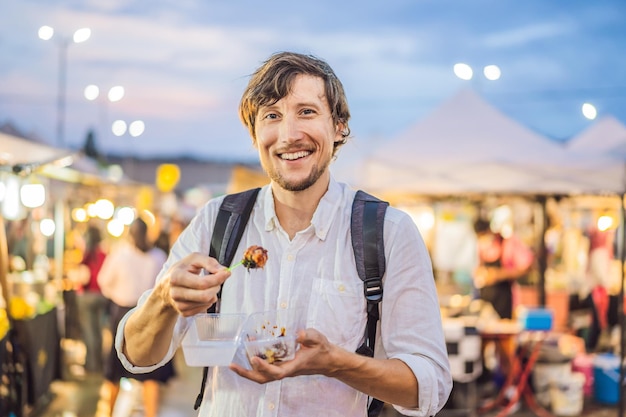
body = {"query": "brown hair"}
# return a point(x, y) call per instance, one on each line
point(273, 80)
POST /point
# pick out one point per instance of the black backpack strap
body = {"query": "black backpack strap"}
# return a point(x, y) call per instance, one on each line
point(227, 232)
point(368, 215)
point(230, 224)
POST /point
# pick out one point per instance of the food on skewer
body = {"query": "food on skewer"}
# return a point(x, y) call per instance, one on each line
point(254, 257)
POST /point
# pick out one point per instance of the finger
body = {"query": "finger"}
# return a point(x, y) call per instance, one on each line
point(252, 374)
point(191, 276)
point(190, 288)
point(301, 336)
point(261, 371)
point(309, 337)
point(197, 261)
point(190, 301)
point(188, 309)
point(187, 280)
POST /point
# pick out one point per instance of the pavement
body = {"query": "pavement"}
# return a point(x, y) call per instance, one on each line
point(84, 396)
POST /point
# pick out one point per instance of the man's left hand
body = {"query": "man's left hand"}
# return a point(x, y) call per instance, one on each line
point(312, 358)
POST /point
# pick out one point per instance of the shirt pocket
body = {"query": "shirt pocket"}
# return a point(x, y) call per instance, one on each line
point(338, 311)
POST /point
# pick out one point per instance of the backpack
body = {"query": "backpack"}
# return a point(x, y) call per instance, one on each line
point(368, 213)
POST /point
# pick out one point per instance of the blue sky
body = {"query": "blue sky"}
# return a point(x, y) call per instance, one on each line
point(184, 64)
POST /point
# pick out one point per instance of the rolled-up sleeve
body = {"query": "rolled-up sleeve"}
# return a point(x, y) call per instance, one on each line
point(411, 328)
point(179, 332)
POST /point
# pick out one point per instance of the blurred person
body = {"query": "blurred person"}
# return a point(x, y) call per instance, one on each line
point(297, 115)
point(128, 271)
point(163, 241)
point(19, 235)
point(92, 305)
point(501, 262)
point(594, 295)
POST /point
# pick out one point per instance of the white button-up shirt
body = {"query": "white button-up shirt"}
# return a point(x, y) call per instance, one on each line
point(316, 271)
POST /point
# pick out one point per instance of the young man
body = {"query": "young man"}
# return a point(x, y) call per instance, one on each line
point(297, 114)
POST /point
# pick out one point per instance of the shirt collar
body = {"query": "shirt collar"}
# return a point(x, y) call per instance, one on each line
point(323, 217)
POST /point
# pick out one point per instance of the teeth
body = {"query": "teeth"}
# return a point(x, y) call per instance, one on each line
point(295, 155)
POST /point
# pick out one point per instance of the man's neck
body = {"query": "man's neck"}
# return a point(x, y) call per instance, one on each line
point(295, 209)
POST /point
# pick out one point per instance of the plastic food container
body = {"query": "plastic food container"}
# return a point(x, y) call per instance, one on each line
point(212, 339)
point(271, 335)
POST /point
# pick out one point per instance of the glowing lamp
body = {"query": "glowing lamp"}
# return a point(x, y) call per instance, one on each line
point(167, 177)
point(33, 195)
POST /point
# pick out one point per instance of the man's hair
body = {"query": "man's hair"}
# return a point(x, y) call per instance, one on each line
point(274, 79)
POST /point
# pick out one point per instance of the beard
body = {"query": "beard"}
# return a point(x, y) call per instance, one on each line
point(299, 185)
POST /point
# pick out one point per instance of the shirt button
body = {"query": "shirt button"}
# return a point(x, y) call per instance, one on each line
point(290, 257)
point(341, 288)
point(283, 305)
point(271, 406)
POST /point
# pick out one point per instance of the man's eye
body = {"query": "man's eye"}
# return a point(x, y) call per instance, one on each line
point(308, 111)
point(271, 116)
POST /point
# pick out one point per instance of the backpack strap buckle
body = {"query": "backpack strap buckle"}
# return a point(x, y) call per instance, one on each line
point(373, 290)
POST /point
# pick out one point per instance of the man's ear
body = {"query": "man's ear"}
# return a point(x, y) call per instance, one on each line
point(339, 129)
point(253, 138)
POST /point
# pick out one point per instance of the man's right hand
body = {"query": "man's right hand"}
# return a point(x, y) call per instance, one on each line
point(191, 284)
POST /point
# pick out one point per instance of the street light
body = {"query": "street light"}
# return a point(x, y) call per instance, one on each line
point(81, 35)
point(119, 127)
point(116, 93)
point(134, 129)
point(92, 93)
point(589, 111)
point(465, 72)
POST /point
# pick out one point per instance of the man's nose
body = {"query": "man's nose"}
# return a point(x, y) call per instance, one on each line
point(291, 129)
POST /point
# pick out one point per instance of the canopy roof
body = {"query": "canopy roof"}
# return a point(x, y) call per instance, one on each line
point(15, 151)
point(468, 146)
point(23, 157)
point(607, 136)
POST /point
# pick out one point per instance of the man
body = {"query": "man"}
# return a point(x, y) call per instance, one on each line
point(297, 114)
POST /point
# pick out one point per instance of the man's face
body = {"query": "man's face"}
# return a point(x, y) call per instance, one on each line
point(295, 135)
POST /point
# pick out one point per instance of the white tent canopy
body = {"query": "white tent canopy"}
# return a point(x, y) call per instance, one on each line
point(605, 142)
point(23, 157)
point(15, 151)
point(468, 146)
point(606, 136)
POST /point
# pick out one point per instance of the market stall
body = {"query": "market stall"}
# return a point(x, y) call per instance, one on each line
point(38, 186)
point(467, 160)
point(29, 295)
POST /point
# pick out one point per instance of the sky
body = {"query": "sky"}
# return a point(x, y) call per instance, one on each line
point(185, 63)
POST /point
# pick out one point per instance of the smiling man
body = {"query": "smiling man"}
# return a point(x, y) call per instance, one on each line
point(297, 114)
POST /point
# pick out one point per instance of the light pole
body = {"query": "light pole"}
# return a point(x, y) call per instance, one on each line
point(81, 35)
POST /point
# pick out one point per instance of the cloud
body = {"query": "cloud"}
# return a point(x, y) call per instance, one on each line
point(525, 35)
point(184, 64)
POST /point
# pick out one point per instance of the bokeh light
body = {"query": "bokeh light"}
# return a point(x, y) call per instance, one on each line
point(463, 71)
point(589, 111)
